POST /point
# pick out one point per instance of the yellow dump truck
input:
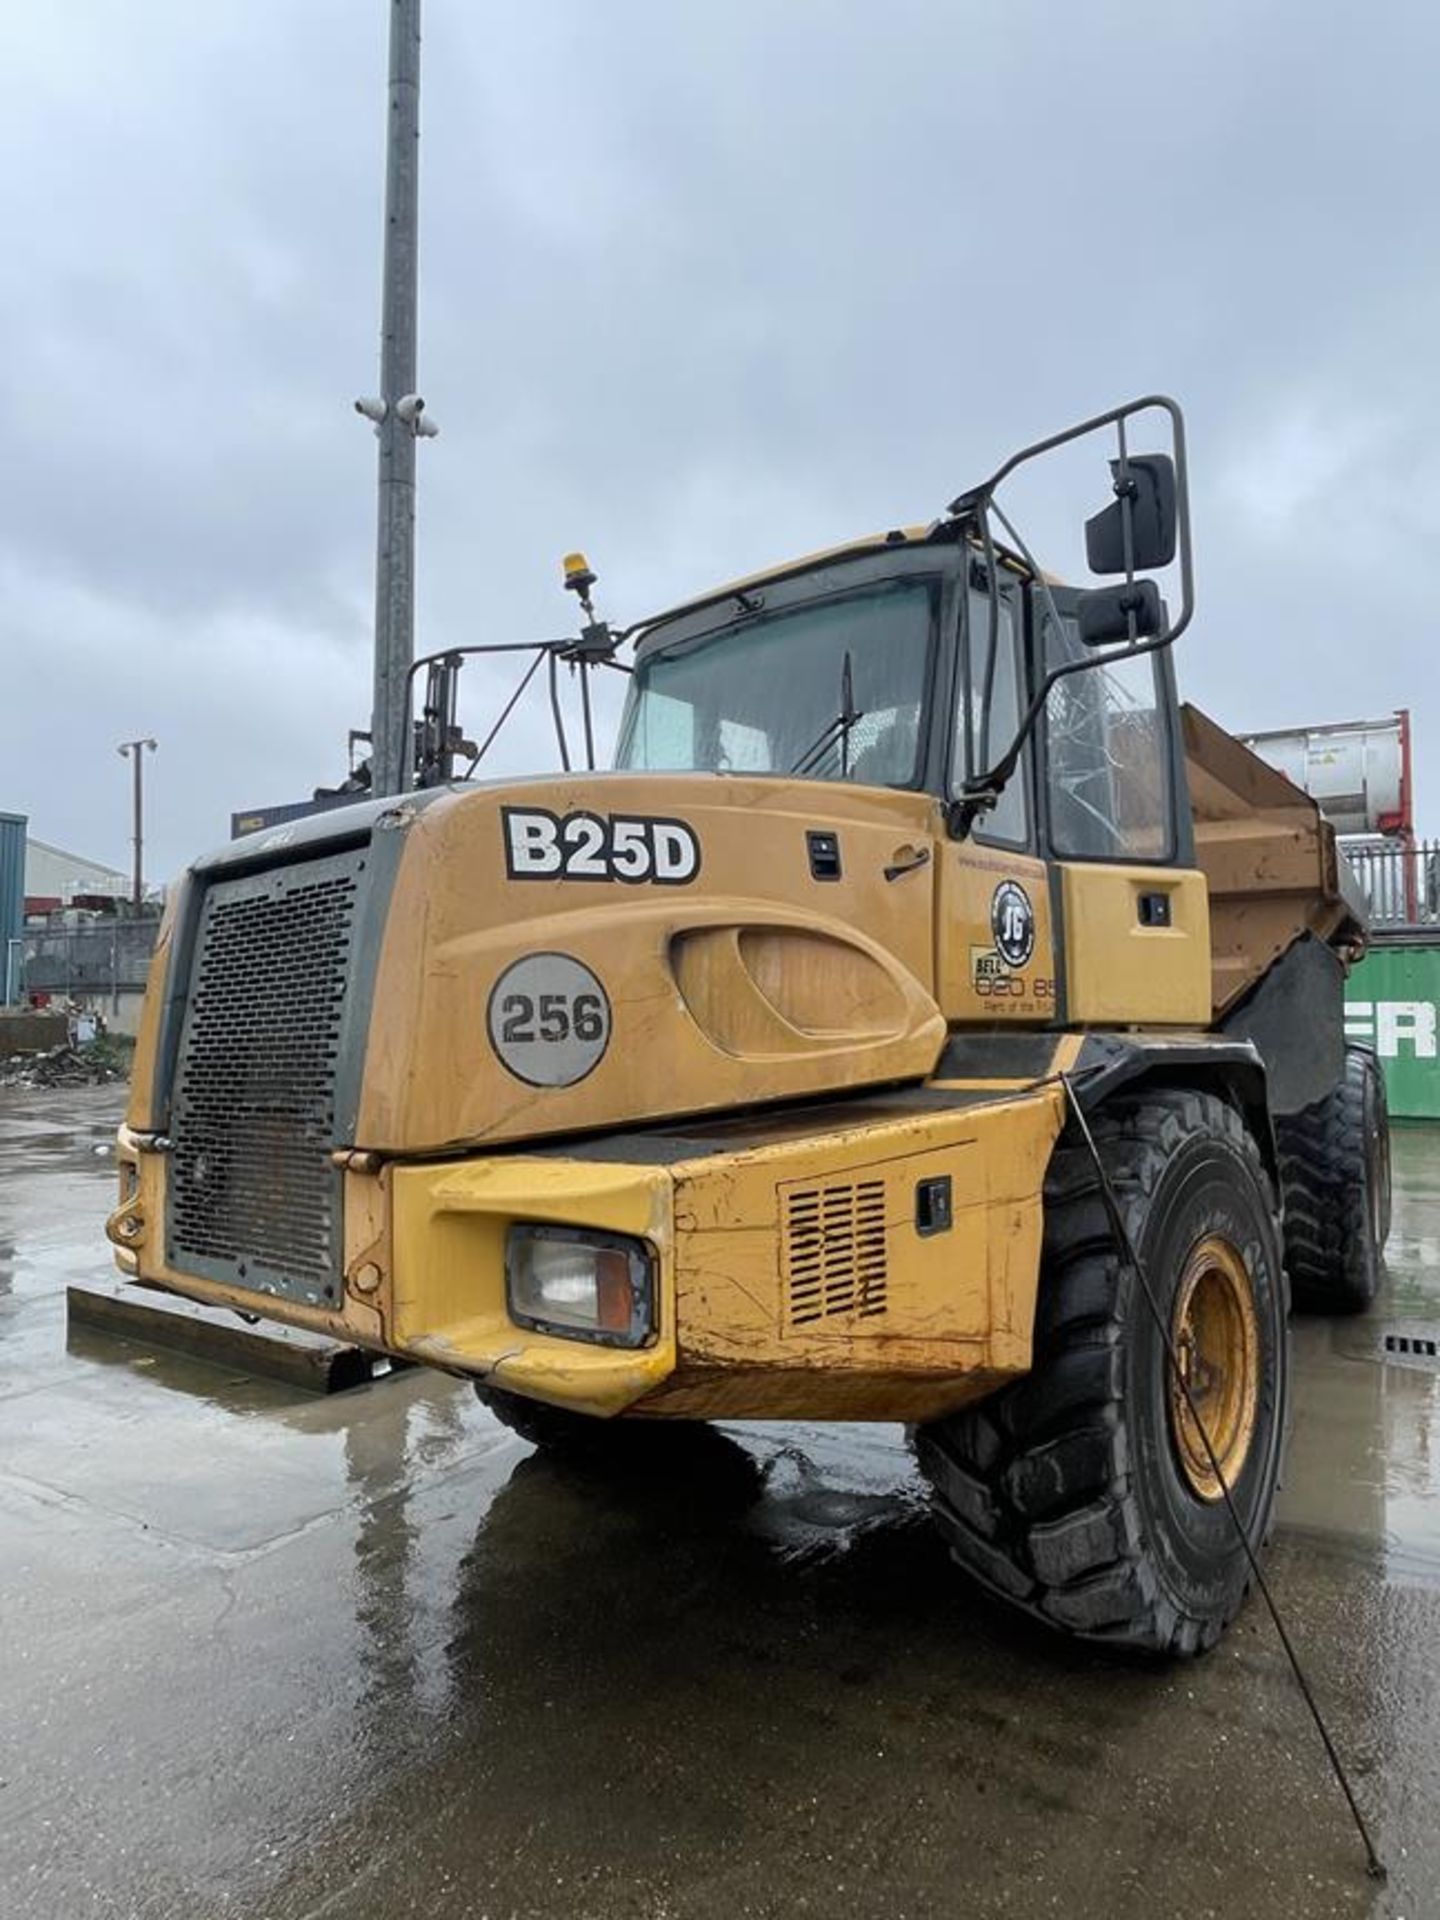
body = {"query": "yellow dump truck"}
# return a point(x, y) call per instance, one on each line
point(741, 1080)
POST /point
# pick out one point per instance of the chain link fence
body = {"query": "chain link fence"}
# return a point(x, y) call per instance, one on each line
point(95, 964)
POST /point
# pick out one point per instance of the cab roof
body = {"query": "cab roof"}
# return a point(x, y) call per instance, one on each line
point(935, 533)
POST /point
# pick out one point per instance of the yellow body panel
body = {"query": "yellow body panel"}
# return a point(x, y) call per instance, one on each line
point(721, 992)
point(139, 1109)
point(757, 1317)
point(772, 1317)
point(1119, 972)
point(445, 1299)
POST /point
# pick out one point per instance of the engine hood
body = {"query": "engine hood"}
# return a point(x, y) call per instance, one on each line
point(576, 953)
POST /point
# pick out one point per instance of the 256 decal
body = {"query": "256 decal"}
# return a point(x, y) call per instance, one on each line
point(549, 1019)
point(633, 848)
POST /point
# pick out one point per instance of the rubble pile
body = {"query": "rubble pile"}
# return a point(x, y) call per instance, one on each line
point(96, 1064)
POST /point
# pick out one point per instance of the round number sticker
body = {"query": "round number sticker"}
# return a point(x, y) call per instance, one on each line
point(549, 1020)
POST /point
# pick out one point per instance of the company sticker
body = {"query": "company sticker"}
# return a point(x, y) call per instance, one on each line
point(549, 1020)
point(1012, 923)
point(997, 972)
point(540, 845)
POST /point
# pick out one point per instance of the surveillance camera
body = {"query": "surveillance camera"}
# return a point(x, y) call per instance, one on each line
point(409, 409)
point(426, 428)
point(372, 408)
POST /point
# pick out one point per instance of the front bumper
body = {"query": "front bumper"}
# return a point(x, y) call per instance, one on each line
point(797, 1273)
point(424, 1266)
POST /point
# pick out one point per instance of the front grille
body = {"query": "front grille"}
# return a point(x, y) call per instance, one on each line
point(833, 1249)
point(253, 1197)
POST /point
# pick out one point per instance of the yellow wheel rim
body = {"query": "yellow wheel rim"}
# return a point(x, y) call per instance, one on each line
point(1216, 1335)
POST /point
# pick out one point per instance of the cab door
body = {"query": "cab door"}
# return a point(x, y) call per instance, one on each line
point(995, 941)
point(1133, 913)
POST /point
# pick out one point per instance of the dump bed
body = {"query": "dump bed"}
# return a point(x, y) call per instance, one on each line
point(1270, 861)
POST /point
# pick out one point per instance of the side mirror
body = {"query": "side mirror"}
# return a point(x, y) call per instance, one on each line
point(1146, 496)
point(1103, 616)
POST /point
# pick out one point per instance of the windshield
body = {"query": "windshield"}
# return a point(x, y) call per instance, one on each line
point(833, 691)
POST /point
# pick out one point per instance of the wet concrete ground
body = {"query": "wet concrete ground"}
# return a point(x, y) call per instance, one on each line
point(265, 1655)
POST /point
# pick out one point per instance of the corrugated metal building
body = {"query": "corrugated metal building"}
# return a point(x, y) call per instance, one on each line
point(12, 901)
point(52, 874)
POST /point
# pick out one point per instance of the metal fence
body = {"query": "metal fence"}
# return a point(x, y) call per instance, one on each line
point(109, 957)
point(1401, 884)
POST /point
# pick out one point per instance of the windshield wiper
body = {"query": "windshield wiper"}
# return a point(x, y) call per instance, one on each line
point(837, 732)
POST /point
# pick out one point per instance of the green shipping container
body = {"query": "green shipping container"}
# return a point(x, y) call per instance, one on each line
point(1392, 1003)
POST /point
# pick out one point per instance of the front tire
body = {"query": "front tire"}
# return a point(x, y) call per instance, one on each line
point(1082, 1493)
point(577, 1436)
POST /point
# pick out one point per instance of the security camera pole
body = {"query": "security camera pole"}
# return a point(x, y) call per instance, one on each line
point(134, 751)
point(396, 429)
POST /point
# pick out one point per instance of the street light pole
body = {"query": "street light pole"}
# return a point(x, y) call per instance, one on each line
point(397, 412)
point(134, 751)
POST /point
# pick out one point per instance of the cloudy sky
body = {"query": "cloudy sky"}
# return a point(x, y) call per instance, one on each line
point(701, 287)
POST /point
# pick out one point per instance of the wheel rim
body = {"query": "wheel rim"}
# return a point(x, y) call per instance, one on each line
point(1216, 1334)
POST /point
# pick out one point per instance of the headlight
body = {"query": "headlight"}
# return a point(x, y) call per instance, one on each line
point(589, 1286)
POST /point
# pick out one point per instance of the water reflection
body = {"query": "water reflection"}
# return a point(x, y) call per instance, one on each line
point(430, 1651)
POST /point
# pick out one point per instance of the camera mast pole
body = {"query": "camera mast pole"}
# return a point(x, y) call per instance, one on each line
point(396, 426)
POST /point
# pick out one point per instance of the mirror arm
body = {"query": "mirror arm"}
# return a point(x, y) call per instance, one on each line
point(965, 502)
point(1125, 488)
point(979, 794)
point(970, 504)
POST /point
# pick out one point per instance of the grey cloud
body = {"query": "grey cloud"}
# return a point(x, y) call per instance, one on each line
point(701, 287)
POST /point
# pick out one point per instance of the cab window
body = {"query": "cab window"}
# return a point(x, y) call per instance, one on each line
point(985, 728)
point(1107, 757)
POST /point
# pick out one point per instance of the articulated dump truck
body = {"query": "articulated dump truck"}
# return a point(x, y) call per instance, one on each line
point(786, 1069)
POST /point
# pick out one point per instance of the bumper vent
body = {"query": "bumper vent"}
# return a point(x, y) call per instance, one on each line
point(253, 1198)
point(834, 1251)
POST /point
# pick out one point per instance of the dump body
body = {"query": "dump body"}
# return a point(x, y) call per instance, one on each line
point(1272, 871)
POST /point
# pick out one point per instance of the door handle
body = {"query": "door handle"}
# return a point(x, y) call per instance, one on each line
point(906, 860)
point(1153, 909)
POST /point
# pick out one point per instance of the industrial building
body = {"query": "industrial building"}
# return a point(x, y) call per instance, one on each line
point(66, 931)
point(56, 878)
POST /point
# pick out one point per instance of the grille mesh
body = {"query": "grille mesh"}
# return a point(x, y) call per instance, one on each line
point(834, 1249)
point(253, 1196)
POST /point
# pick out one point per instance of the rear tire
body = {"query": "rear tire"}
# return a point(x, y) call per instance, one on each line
point(1075, 1493)
point(1335, 1182)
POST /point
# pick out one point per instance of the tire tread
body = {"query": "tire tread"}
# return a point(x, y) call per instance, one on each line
point(1326, 1166)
